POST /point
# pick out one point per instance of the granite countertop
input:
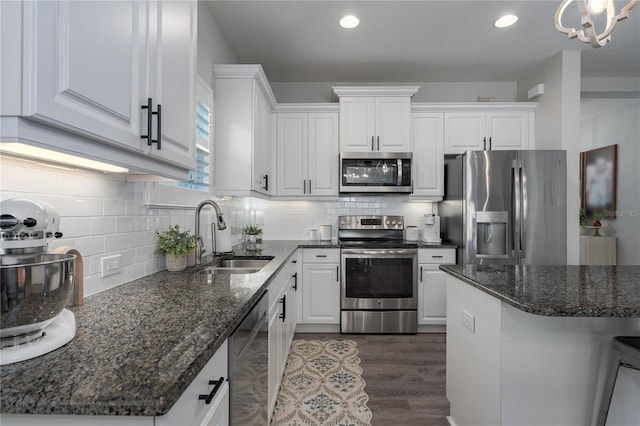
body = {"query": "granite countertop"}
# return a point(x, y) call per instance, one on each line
point(563, 291)
point(138, 346)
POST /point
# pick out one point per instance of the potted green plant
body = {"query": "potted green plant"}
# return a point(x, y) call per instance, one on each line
point(252, 232)
point(176, 244)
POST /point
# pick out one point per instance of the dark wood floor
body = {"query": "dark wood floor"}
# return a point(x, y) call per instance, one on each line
point(405, 376)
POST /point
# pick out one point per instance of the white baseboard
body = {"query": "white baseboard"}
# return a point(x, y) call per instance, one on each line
point(318, 328)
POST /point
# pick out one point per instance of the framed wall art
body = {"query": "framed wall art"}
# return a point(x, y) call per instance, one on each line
point(598, 179)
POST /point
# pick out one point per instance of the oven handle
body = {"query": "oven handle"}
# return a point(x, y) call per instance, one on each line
point(384, 252)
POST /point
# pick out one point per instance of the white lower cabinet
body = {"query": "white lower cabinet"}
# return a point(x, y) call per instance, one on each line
point(432, 289)
point(189, 409)
point(321, 286)
point(283, 317)
point(192, 410)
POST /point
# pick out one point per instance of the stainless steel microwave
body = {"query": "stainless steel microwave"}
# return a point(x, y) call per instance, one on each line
point(371, 172)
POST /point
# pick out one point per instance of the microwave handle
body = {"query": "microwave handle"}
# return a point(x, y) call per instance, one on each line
point(399, 182)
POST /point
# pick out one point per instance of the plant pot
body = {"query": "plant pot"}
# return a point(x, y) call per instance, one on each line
point(174, 262)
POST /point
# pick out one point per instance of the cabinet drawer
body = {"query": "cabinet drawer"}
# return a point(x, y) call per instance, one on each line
point(438, 256)
point(321, 256)
point(189, 409)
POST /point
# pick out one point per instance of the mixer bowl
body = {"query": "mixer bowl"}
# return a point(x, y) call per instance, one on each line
point(35, 289)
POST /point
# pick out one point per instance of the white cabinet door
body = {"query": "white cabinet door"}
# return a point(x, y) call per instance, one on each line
point(357, 124)
point(262, 145)
point(481, 130)
point(172, 80)
point(393, 125)
point(323, 156)
point(85, 63)
point(432, 293)
point(92, 65)
point(369, 123)
point(508, 130)
point(428, 154)
point(321, 293)
point(292, 149)
point(464, 131)
point(244, 132)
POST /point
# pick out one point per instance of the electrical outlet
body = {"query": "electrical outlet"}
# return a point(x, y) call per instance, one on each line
point(469, 320)
point(110, 265)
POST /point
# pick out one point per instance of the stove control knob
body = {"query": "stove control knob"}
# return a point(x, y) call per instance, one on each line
point(30, 222)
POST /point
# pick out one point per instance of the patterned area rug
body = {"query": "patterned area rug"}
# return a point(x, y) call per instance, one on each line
point(322, 385)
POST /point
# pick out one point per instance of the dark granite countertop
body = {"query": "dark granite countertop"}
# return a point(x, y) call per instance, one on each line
point(563, 291)
point(138, 346)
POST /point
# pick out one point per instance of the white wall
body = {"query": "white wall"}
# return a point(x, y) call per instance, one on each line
point(429, 92)
point(212, 46)
point(617, 121)
point(558, 127)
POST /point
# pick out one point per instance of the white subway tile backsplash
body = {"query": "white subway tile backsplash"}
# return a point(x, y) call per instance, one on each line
point(125, 224)
point(103, 225)
point(75, 227)
point(89, 246)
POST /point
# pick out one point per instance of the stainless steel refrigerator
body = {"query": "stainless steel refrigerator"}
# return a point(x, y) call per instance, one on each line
point(507, 207)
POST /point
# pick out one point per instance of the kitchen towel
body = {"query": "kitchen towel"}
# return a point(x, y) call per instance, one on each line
point(223, 240)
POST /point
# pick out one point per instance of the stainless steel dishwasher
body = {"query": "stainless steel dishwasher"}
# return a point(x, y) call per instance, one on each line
point(248, 367)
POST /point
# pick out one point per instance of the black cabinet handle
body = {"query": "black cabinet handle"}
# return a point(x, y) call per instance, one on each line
point(321, 255)
point(378, 143)
point(338, 273)
point(150, 113)
point(309, 186)
point(159, 140)
point(265, 178)
point(421, 268)
point(149, 109)
point(489, 143)
point(209, 398)
point(372, 145)
point(436, 257)
point(295, 282)
point(304, 186)
point(283, 315)
point(484, 142)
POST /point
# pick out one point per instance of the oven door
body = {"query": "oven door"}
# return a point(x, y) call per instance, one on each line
point(377, 279)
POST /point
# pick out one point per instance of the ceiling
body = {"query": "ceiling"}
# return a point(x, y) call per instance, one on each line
point(412, 41)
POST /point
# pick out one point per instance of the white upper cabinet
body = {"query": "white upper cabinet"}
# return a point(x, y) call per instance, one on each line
point(375, 118)
point(89, 67)
point(244, 154)
point(497, 129)
point(427, 131)
point(307, 153)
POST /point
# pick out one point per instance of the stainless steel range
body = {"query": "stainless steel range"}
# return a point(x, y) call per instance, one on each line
point(379, 276)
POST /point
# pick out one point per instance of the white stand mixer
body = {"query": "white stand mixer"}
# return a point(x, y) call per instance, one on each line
point(35, 285)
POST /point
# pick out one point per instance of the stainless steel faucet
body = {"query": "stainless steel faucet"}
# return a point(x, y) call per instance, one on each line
point(220, 224)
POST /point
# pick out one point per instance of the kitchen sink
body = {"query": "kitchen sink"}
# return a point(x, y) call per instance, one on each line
point(218, 270)
point(238, 265)
point(242, 263)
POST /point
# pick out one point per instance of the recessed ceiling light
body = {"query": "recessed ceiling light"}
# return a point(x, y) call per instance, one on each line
point(506, 21)
point(349, 21)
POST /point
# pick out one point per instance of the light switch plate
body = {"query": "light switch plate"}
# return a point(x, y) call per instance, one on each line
point(110, 265)
point(469, 320)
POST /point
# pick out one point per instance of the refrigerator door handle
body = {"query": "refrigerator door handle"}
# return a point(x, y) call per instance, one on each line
point(515, 170)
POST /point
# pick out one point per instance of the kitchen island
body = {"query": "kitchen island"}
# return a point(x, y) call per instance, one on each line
point(527, 345)
point(138, 346)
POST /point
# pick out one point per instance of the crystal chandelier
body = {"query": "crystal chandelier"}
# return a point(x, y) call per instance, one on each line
point(588, 10)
